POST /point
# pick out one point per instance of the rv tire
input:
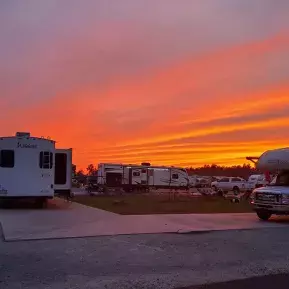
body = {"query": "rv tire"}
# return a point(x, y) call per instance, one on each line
point(2, 204)
point(41, 202)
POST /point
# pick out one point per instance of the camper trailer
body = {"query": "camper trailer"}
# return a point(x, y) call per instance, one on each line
point(155, 177)
point(142, 177)
point(31, 167)
point(110, 175)
point(273, 198)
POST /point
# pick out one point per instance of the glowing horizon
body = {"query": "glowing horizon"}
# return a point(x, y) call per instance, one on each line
point(185, 85)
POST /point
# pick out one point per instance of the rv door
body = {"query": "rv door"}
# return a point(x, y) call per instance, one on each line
point(63, 171)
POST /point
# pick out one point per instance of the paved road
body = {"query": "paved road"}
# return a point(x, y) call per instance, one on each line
point(278, 281)
point(143, 261)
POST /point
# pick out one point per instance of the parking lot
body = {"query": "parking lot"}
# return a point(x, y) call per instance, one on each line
point(151, 261)
point(69, 245)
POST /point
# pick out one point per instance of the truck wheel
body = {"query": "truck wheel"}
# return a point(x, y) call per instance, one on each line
point(236, 190)
point(264, 216)
point(214, 188)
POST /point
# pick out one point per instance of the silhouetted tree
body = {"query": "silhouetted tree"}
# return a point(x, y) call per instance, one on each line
point(91, 170)
point(80, 173)
point(214, 170)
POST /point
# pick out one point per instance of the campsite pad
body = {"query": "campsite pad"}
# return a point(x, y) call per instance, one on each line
point(65, 220)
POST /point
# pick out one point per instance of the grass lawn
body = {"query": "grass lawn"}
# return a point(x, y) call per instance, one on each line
point(145, 204)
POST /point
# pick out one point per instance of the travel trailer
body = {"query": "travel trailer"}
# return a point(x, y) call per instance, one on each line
point(155, 177)
point(256, 181)
point(274, 197)
point(143, 176)
point(31, 167)
point(110, 175)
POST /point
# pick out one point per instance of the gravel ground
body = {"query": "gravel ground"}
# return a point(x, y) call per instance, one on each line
point(143, 261)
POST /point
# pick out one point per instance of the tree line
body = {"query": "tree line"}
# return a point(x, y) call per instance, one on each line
point(243, 171)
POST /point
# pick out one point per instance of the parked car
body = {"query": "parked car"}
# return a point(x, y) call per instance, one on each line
point(192, 181)
point(202, 183)
point(226, 184)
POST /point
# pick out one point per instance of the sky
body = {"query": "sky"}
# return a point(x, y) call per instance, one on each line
point(169, 82)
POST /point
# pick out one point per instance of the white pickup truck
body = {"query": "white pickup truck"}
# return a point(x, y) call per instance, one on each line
point(235, 184)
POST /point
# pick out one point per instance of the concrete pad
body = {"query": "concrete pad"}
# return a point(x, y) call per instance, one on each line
point(43, 222)
point(66, 220)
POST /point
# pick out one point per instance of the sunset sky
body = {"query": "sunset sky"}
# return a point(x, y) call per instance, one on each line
point(186, 82)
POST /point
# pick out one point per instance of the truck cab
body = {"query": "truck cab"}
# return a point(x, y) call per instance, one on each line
point(273, 198)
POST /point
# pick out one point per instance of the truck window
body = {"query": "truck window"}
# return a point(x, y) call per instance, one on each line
point(282, 179)
point(7, 159)
point(45, 160)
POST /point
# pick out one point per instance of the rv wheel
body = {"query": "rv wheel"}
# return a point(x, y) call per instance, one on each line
point(41, 203)
point(2, 204)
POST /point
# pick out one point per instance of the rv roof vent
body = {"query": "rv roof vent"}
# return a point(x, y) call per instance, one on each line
point(145, 164)
point(23, 134)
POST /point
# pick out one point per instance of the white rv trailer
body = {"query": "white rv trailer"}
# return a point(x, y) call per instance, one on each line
point(142, 176)
point(273, 198)
point(31, 167)
point(155, 177)
point(110, 175)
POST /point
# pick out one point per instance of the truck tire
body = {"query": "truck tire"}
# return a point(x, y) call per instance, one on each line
point(236, 190)
point(264, 216)
point(214, 188)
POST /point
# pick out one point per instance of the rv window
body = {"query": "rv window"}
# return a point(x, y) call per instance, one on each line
point(136, 174)
point(7, 159)
point(45, 160)
point(175, 176)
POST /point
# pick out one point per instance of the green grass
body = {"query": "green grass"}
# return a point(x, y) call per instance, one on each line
point(145, 204)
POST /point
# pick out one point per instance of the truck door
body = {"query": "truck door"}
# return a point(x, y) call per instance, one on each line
point(63, 171)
